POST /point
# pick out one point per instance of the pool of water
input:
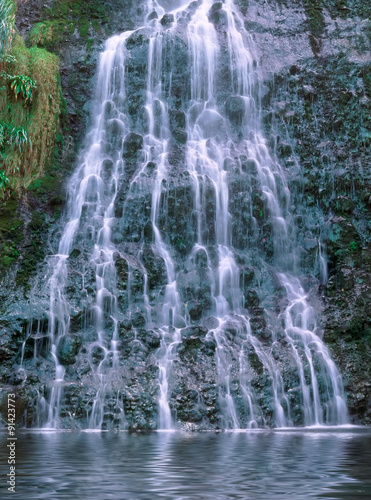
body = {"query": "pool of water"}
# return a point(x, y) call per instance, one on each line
point(287, 465)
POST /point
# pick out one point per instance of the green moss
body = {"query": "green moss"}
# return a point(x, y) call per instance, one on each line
point(63, 18)
point(47, 34)
point(11, 234)
point(84, 26)
point(46, 184)
point(7, 261)
point(40, 120)
point(353, 246)
point(37, 220)
point(356, 328)
point(89, 44)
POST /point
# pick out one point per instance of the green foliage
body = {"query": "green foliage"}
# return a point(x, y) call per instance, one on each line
point(3, 130)
point(10, 136)
point(3, 180)
point(9, 254)
point(23, 85)
point(20, 138)
point(10, 59)
point(64, 18)
point(43, 34)
point(7, 19)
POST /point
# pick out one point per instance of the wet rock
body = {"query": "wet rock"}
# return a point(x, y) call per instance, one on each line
point(235, 108)
point(180, 135)
point(16, 378)
point(115, 130)
point(167, 19)
point(193, 331)
point(152, 15)
point(343, 205)
point(259, 326)
point(156, 269)
point(343, 239)
point(210, 323)
point(138, 319)
point(251, 298)
point(194, 310)
point(284, 149)
point(217, 15)
point(211, 123)
point(67, 349)
point(209, 347)
point(122, 271)
point(148, 232)
point(5, 353)
point(97, 354)
point(153, 339)
point(132, 144)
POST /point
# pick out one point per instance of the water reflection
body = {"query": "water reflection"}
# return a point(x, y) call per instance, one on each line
point(165, 465)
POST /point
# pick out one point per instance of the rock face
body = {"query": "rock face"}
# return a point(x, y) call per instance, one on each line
point(315, 101)
point(318, 106)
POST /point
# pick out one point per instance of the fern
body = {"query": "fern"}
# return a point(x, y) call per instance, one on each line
point(13, 136)
point(23, 85)
point(19, 137)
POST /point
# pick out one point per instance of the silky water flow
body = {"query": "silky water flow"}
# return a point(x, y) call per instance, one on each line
point(203, 126)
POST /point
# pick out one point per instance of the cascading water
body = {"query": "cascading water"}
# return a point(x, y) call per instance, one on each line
point(93, 189)
point(183, 216)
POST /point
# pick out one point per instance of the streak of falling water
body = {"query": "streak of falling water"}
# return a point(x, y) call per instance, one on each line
point(322, 262)
point(91, 199)
point(170, 318)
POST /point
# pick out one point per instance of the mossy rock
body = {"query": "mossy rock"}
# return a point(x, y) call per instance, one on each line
point(21, 401)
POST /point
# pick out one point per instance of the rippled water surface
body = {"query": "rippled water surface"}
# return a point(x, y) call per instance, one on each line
point(171, 465)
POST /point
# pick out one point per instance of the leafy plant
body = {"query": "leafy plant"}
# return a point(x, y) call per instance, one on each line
point(10, 59)
point(13, 136)
point(21, 85)
point(2, 135)
point(20, 137)
point(7, 19)
point(3, 180)
point(24, 85)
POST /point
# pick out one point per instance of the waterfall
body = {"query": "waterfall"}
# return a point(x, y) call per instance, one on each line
point(182, 216)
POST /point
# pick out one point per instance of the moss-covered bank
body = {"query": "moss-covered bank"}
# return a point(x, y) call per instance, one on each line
point(39, 117)
point(31, 104)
